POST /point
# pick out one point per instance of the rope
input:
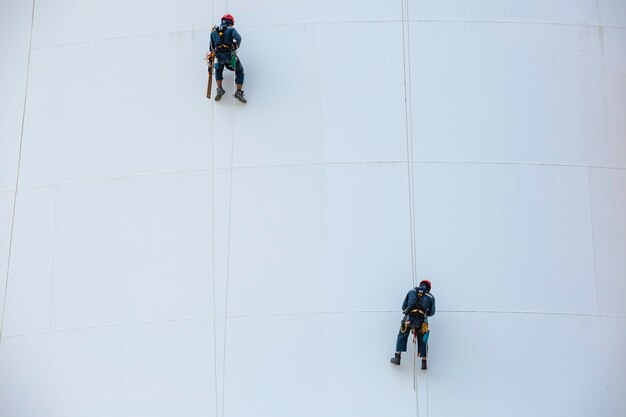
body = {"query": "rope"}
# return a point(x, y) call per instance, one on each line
point(415, 384)
point(406, 56)
point(414, 380)
point(213, 231)
point(427, 394)
point(409, 141)
point(17, 176)
point(231, 123)
point(230, 199)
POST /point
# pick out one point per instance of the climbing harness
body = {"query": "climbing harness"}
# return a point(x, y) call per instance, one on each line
point(422, 331)
point(223, 47)
point(419, 308)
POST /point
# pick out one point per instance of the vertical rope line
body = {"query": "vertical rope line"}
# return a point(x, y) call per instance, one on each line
point(231, 123)
point(427, 395)
point(230, 199)
point(406, 59)
point(415, 371)
point(409, 120)
point(213, 255)
point(17, 176)
point(409, 133)
point(213, 232)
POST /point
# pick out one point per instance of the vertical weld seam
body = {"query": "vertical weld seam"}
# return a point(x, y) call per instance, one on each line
point(54, 240)
point(593, 243)
point(17, 176)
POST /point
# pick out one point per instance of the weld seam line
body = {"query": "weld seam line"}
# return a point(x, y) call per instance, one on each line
point(344, 22)
point(311, 313)
point(339, 163)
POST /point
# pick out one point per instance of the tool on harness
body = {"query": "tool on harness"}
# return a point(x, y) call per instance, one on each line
point(231, 65)
point(425, 332)
point(209, 61)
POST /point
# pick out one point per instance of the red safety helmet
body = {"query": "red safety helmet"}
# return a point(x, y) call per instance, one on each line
point(427, 282)
point(229, 17)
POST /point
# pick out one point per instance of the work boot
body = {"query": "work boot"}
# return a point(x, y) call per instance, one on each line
point(424, 365)
point(219, 93)
point(396, 359)
point(239, 96)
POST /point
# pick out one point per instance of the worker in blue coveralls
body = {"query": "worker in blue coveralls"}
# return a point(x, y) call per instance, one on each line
point(418, 305)
point(224, 41)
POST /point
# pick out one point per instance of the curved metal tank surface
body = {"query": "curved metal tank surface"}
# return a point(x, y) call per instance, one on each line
point(166, 255)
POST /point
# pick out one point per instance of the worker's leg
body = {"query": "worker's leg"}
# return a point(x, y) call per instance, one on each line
point(403, 336)
point(219, 77)
point(422, 347)
point(239, 81)
point(219, 73)
point(239, 74)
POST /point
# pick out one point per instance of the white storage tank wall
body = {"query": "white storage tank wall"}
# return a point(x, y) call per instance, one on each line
point(164, 254)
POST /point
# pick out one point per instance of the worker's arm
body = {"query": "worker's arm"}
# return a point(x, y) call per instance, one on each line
point(236, 37)
point(211, 46)
point(409, 301)
point(431, 309)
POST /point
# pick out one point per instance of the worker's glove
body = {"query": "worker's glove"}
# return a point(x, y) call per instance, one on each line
point(235, 45)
